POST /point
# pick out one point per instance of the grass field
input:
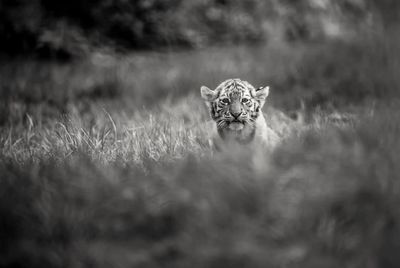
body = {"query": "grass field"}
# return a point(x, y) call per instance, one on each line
point(107, 163)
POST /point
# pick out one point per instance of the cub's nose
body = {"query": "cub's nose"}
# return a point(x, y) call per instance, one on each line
point(236, 114)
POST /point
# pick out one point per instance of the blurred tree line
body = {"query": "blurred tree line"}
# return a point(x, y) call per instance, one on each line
point(67, 28)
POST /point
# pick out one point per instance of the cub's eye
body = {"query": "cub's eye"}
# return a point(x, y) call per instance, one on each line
point(225, 101)
point(245, 100)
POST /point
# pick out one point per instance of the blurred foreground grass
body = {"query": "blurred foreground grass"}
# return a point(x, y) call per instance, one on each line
point(155, 196)
point(106, 163)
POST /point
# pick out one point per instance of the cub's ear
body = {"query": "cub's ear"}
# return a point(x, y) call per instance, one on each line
point(261, 94)
point(208, 94)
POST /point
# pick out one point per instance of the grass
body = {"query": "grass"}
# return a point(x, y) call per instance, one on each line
point(130, 180)
point(156, 134)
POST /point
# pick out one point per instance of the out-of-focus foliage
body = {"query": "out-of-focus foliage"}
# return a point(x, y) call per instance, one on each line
point(44, 25)
point(387, 10)
point(19, 25)
point(113, 191)
point(70, 28)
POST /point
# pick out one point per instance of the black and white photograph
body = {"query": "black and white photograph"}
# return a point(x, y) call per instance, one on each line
point(200, 133)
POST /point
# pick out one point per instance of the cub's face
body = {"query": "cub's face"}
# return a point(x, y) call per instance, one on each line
point(234, 104)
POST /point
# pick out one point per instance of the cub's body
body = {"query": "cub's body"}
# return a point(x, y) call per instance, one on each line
point(263, 137)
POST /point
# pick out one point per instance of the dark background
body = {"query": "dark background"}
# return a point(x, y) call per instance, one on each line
point(66, 28)
point(346, 40)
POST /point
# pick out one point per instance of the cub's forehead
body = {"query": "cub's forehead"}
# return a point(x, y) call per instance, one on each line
point(234, 86)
